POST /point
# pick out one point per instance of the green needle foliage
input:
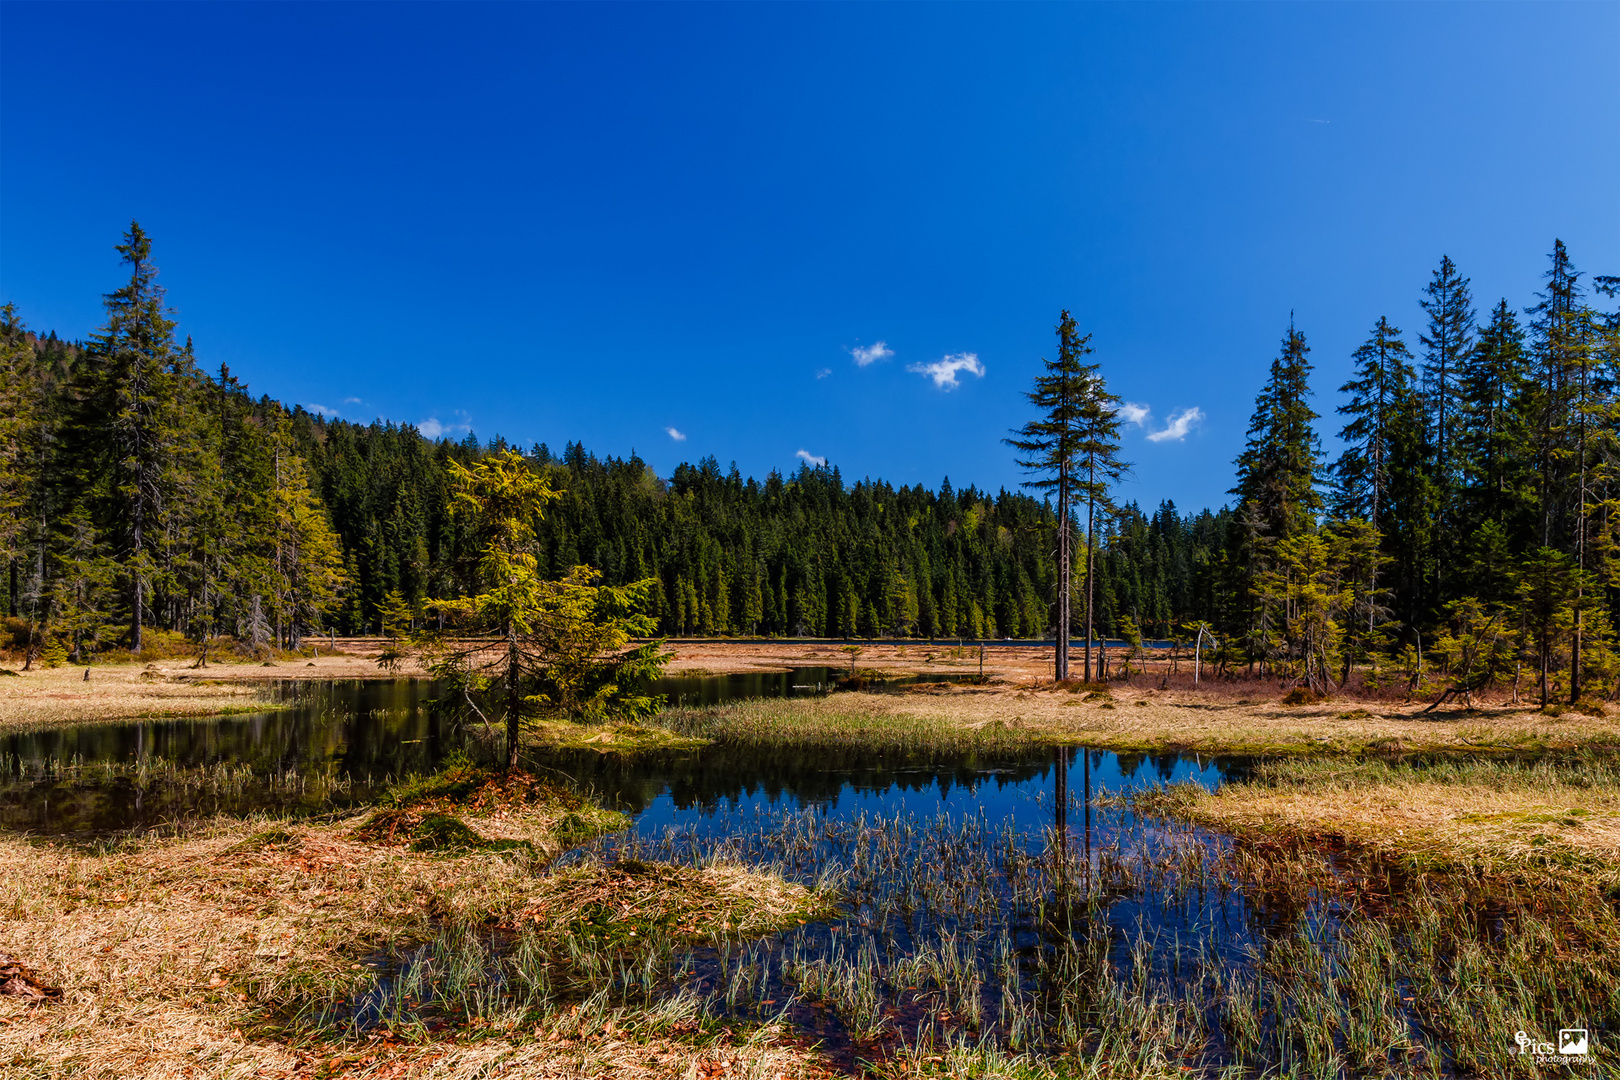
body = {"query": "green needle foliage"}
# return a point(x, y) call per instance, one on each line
point(538, 647)
point(1073, 447)
point(148, 504)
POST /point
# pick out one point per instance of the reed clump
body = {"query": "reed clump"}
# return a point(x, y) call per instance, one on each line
point(1543, 822)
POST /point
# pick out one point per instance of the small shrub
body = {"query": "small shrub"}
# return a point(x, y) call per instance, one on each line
point(14, 633)
point(1300, 695)
point(55, 653)
point(455, 781)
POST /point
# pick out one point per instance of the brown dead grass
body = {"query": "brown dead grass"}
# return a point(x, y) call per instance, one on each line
point(1135, 718)
point(60, 696)
point(722, 898)
point(1533, 823)
point(165, 689)
point(166, 951)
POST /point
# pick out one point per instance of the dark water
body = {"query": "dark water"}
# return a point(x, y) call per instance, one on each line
point(342, 742)
point(1019, 869)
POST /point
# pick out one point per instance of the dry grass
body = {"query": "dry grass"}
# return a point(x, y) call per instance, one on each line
point(62, 696)
point(168, 951)
point(705, 902)
point(1127, 718)
point(1533, 822)
point(608, 738)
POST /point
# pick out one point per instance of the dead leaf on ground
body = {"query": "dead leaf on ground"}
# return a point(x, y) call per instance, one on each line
point(19, 980)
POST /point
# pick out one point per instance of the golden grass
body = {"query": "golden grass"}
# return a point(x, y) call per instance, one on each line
point(1138, 718)
point(167, 951)
point(1542, 822)
point(607, 738)
point(62, 696)
point(705, 902)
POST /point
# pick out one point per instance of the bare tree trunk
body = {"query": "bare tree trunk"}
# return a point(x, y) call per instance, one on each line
point(1091, 561)
point(1580, 558)
point(513, 700)
point(1061, 652)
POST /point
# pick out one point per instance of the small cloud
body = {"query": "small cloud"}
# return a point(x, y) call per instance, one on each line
point(879, 351)
point(352, 401)
point(944, 371)
point(321, 409)
point(810, 459)
point(824, 372)
point(678, 436)
point(1176, 428)
point(433, 428)
point(1134, 414)
point(1311, 120)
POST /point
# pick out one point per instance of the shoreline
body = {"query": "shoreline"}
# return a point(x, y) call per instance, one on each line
point(1146, 714)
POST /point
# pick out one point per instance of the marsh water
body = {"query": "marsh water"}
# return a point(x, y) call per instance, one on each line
point(1003, 896)
point(330, 745)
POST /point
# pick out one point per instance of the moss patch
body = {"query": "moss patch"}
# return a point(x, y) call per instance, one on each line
point(609, 738)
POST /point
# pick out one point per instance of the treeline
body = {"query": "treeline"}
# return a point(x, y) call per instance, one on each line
point(1475, 511)
point(1473, 516)
point(142, 492)
point(793, 555)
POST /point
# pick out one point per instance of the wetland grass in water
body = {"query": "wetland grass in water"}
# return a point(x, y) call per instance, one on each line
point(982, 932)
point(997, 915)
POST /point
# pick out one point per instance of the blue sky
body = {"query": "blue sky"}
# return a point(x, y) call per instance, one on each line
point(616, 223)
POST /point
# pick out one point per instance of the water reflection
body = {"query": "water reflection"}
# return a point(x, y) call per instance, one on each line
point(342, 741)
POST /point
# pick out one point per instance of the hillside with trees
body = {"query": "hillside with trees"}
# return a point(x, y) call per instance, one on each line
point(1472, 521)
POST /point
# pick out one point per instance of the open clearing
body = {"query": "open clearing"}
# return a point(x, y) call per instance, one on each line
point(1019, 697)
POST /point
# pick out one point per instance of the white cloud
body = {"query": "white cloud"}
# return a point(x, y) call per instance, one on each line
point(352, 401)
point(824, 372)
point(944, 371)
point(433, 428)
point(678, 436)
point(1135, 414)
point(1178, 425)
point(810, 459)
point(321, 409)
point(879, 351)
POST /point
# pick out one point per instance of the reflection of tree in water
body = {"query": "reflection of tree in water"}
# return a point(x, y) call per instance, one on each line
point(375, 732)
point(367, 732)
point(704, 779)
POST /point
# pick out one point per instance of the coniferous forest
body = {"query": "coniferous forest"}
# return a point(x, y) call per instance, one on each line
point(1471, 525)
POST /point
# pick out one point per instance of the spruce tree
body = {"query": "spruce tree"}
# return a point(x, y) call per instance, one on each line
point(1379, 406)
point(1276, 485)
point(1276, 472)
point(1074, 450)
point(1050, 446)
point(18, 402)
point(1491, 435)
point(128, 421)
point(1446, 344)
point(1545, 399)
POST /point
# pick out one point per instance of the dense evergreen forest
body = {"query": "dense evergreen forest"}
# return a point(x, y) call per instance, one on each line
point(1475, 513)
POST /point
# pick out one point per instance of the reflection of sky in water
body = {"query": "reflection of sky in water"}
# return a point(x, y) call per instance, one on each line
point(370, 733)
point(995, 793)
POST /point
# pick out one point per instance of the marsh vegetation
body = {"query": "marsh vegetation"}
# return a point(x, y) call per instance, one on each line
point(845, 884)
